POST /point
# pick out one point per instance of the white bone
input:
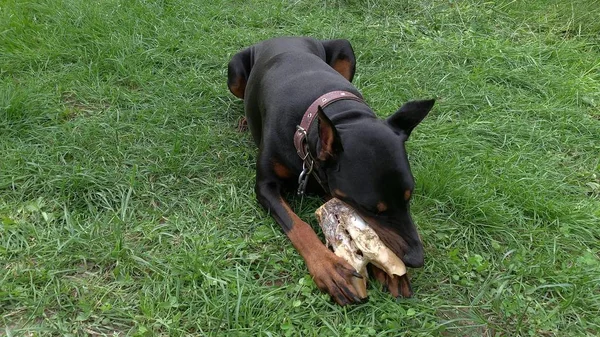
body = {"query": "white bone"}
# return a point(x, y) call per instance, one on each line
point(352, 239)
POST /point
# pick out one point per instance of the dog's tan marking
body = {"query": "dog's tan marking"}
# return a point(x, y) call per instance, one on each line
point(339, 193)
point(281, 171)
point(344, 67)
point(238, 88)
point(302, 236)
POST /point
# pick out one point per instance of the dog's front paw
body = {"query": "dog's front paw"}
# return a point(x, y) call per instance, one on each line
point(335, 276)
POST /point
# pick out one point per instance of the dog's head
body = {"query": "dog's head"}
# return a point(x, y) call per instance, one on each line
point(367, 167)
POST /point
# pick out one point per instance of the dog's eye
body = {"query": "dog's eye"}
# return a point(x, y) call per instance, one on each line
point(371, 209)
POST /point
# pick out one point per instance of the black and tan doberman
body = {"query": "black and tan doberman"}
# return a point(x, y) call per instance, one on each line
point(313, 129)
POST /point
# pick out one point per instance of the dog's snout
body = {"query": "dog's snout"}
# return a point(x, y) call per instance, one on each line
point(414, 257)
point(414, 260)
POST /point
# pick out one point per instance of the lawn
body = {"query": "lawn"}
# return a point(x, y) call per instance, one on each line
point(127, 204)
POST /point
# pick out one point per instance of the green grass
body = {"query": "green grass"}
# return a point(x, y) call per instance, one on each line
point(126, 194)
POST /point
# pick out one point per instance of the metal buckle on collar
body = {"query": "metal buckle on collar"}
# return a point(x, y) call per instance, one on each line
point(302, 131)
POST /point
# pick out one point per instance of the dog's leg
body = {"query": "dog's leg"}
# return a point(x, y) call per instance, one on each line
point(330, 273)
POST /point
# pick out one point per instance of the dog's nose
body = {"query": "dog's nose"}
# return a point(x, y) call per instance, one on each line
point(414, 258)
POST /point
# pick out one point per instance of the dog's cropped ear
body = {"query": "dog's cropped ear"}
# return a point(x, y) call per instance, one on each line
point(410, 115)
point(340, 56)
point(329, 144)
point(238, 71)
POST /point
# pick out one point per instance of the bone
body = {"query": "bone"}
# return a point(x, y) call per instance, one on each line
point(351, 238)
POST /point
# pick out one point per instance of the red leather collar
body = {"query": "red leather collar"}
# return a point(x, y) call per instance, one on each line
point(310, 115)
point(301, 144)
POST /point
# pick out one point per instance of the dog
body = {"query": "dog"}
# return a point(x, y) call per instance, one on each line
point(315, 132)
